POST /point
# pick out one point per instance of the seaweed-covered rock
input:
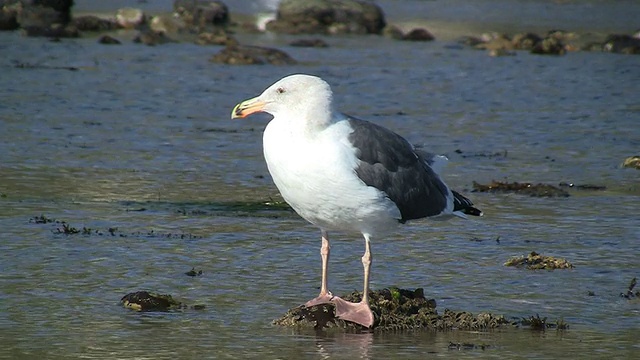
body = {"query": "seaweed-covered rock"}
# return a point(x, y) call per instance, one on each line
point(201, 14)
point(167, 24)
point(38, 20)
point(108, 40)
point(418, 34)
point(216, 38)
point(535, 261)
point(94, 23)
point(525, 41)
point(8, 16)
point(152, 38)
point(549, 46)
point(193, 272)
point(252, 55)
point(48, 18)
point(535, 190)
point(146, 301)
point(394, 309)
point(392, 32)
point(621, 43)
point(632, 162)
point(495, 41)
point(328, 17)
point(61, 6)
point(318, 43)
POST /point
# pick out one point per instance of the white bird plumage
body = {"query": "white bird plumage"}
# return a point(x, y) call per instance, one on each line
point(341, 173)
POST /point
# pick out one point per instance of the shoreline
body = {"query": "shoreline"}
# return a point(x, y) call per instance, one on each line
point(444, 29)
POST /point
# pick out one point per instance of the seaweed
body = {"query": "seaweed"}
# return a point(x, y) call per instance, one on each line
point(394, 310)
point(193, 272)
point(65, 228)
point(534, 190)
point(541, 324)
point(535, 261)
point(629, 294)
point(147, 301)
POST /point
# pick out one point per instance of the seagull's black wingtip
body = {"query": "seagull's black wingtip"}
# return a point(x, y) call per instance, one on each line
point(464, 205)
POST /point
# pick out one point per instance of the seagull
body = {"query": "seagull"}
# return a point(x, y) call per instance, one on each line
point(342, 173)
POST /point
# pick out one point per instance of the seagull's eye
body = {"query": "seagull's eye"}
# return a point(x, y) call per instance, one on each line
point(280, 90)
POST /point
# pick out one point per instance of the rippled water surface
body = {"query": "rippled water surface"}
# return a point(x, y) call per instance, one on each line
point(139, 140)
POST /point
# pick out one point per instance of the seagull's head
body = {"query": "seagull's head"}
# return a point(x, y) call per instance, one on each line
point(302, 97)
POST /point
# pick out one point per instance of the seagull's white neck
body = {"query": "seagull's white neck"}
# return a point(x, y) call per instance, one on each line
point(307, 121)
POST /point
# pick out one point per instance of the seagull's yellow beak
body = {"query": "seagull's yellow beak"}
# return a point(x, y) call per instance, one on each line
point(247, 108)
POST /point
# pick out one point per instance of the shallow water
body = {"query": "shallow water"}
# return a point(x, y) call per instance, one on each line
point(148, 128)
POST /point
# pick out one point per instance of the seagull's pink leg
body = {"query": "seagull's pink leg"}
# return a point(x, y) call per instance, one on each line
point(325, 296)
point(359, 313)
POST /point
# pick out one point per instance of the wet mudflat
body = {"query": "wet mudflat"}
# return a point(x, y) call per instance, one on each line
point(138, 140)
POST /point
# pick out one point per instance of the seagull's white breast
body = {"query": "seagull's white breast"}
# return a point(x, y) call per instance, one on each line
point(315, 174)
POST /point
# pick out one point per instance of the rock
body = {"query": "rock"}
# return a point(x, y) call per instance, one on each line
point(45, 18)
point(535, 261)
point(392, 32)
point(94, 24)
point(38, 16)
point(418, 34)
point(495, 42)
point(145, 301)
point(592, 46)
point(318, 43)
point(200, 14)
point(525, 41)
point(55, 31)
point(328, 17)
point(130, 18)
point(167, 24)
point(8, 17)
point(632, 162)
point(623, 44)
point(472, 41)
point(549, 46)
point(63, 7)
point(152, 38)
point(563, 35)
point(193, 272)
point(252, 55)
point(216, 38)
point(108, 40)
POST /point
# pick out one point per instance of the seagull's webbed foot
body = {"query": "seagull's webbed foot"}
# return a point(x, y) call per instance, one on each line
point(321, 299)
point(359, 313)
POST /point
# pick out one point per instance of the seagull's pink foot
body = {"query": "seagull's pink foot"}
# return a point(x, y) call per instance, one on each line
point(359, 313)
point(321, 299)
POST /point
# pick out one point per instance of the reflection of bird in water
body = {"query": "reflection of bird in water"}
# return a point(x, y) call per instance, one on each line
point(342, 173)
point(336, 345)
